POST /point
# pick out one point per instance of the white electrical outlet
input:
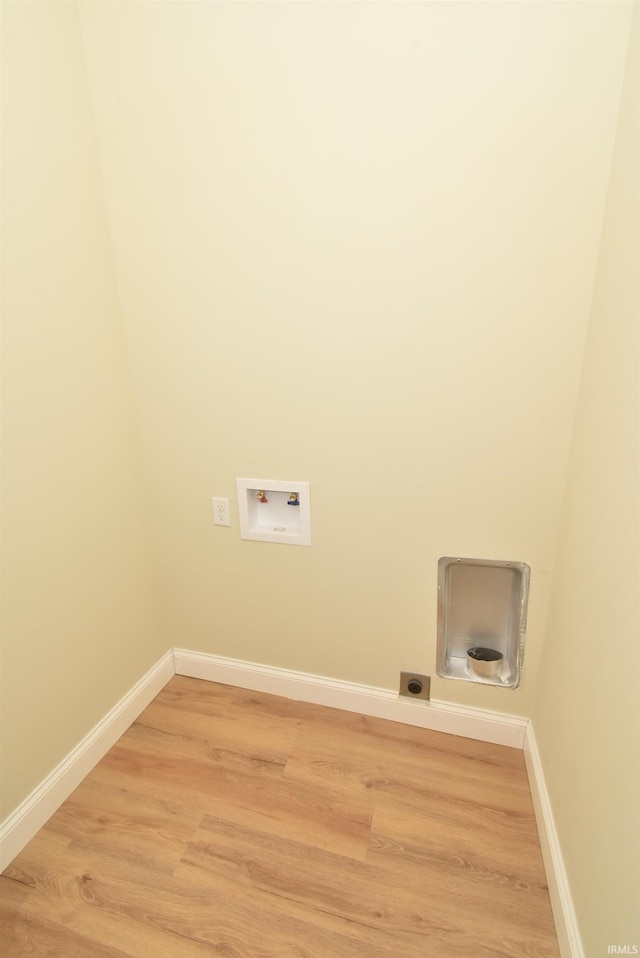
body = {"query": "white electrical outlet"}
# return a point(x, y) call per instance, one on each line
point(221, 512)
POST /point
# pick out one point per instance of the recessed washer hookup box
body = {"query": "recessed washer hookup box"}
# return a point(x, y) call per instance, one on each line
point(274, 510)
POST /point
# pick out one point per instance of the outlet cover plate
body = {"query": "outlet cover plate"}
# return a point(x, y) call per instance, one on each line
point(424, 680)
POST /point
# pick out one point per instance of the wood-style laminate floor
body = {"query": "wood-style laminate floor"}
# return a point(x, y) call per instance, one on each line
point(231, 823)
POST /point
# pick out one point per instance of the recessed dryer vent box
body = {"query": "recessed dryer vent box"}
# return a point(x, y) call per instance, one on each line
point(482, 607)
point(273, 510)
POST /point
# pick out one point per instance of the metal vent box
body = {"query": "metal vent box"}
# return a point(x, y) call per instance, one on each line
point(481, 602)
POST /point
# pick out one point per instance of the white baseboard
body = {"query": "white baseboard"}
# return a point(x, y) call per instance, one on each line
point(478, 724)
point(38, 807)
point(564, 914)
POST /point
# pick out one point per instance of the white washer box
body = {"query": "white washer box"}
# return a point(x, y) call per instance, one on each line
point(274, 510)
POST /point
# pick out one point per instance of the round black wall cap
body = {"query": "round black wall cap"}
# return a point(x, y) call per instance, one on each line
point(484, 655)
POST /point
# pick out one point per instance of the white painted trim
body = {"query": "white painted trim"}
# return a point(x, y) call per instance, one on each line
point(20, 827)
point(564, 914)
point(478, 724)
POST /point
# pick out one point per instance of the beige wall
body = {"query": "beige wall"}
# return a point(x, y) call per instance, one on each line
point(77, 623)
point(355, 245)
point(586, 713)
